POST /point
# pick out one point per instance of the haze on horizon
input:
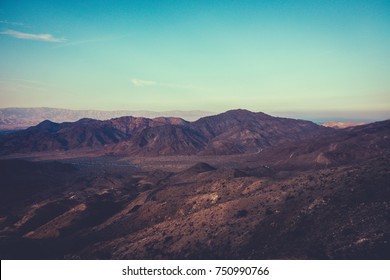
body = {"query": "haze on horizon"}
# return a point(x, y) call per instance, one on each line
point(271, 56)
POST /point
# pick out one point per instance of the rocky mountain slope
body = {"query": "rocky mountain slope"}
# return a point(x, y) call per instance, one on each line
point(233, 132)
point(204, 212)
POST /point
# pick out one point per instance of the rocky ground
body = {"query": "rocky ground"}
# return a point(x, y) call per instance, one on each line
point(202, 212)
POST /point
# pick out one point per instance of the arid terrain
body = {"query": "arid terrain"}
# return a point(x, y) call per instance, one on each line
point(238, 185)
point(21, 118)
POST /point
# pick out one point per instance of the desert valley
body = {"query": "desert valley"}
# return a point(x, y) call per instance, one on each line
point(237, 185)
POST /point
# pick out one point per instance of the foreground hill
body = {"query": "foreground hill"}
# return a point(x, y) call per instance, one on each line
point(204, 212)
point(233, 132)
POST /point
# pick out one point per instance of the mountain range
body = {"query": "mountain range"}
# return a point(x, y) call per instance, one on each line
point(238, 185)
point(232, 132)
point(21, 118)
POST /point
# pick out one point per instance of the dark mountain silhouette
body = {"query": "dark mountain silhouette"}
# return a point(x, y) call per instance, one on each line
point(233, 132)
point(49, 136)
point(241, 131)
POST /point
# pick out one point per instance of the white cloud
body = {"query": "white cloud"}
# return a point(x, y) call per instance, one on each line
point(21, 85)
point(11, 22)
point(141, 83)
point(96, 40)
point(28, 36)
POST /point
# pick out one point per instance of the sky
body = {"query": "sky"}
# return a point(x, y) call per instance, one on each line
point(315, 57)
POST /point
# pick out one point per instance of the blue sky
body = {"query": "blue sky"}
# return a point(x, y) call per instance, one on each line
point(271, 56)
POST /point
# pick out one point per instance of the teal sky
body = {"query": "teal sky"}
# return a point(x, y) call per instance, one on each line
point(271, 56)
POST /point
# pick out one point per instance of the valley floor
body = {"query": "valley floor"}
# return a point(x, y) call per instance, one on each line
point(192, 207)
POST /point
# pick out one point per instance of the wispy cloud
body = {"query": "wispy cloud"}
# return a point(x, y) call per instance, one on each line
point(11, 23)
point(89, 41)
point(171, 85)
point(141, 83)
point(29, 36)
point(21, 85)
point(75, 43)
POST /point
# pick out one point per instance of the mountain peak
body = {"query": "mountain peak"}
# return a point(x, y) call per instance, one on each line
point(85, 120)
point(46, 125)
point(243, 113)
point(170, 120)
point(239, 111)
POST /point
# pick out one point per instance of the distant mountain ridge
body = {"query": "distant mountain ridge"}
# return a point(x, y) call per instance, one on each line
point(342, 124)
point(20, 118)
point(232, 132)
